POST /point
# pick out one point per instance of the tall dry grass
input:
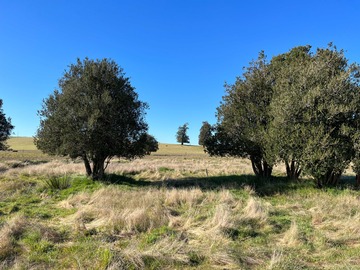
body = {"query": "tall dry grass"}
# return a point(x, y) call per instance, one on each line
point(199, 221)
point(12, 230)
point(151, 168)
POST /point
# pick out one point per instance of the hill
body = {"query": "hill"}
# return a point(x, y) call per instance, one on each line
point(21, 143)
point(165, 149)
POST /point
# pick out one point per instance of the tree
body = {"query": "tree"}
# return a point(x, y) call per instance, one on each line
point(314, 109)
point(5, 128)
point(205, 132)
point(181, 135)
point(95, 115)
point(243, 118)
point(331, 113)
point(290, 82)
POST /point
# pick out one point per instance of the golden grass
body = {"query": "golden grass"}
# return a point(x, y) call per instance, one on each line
point(152, 169)
point(179, 150)
point(171, 161)
point(27, 143)
point(21, 143)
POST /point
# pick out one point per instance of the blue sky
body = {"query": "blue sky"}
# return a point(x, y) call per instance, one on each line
point(178, 53)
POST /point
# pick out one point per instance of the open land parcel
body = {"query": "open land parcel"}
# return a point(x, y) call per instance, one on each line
point(175, 209)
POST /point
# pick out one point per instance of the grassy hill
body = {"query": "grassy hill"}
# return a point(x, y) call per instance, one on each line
point(21, 143)
point(27, 143)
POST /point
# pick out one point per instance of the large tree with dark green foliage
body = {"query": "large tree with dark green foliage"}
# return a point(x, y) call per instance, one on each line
point(5, 128)
point(330, 114)
point(314, 110)
point(95, 115)
point(205, 132)
point(243, 118)
point(181, 135)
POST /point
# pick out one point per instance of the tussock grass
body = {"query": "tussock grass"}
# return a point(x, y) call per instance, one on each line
point(197, 224)
point(255, 210)
point(9, 232)
point(114, 226)
point(291, 236)
point(58, 183)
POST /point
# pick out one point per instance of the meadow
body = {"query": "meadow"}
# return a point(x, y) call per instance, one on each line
point(175, 209)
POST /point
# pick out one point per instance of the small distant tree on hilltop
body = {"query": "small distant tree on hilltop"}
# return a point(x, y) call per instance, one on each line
point(95, 116)
point(181, 135)
point(5, 128)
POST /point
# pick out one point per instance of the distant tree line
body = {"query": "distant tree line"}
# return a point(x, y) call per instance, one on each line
point(302, 108)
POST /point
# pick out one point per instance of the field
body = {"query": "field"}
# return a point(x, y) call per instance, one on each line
point(175, 209)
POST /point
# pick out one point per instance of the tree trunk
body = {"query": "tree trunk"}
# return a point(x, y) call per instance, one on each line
point(98, 169)
point(87, 165)
point(293, 169)
point(331, 178)
point(260, 167)
point(357, 177)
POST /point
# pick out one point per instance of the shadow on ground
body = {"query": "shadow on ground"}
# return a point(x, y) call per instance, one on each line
point(262, 186)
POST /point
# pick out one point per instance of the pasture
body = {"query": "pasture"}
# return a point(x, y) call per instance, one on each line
point(175, 209)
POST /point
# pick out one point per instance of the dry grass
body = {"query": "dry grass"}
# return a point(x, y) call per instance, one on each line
point(339, 220)
point(291, 236)
point(145, 169)
point(168, 228)
point(8, 233)
point(260, 225)
point(255, 210)
point(198, 222)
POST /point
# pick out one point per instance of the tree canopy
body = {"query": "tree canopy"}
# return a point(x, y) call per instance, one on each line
point(5, 128)
point(94, 115)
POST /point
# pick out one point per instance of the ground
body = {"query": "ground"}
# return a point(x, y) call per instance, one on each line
point(175, 209)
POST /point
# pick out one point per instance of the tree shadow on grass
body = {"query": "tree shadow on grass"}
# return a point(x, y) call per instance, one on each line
point(262, 186)
point(127, 180)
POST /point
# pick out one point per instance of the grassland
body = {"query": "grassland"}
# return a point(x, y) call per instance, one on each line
point(176, 209)
point(21, 143)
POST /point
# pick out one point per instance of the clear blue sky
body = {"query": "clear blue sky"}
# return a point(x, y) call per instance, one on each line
point(178, 53)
